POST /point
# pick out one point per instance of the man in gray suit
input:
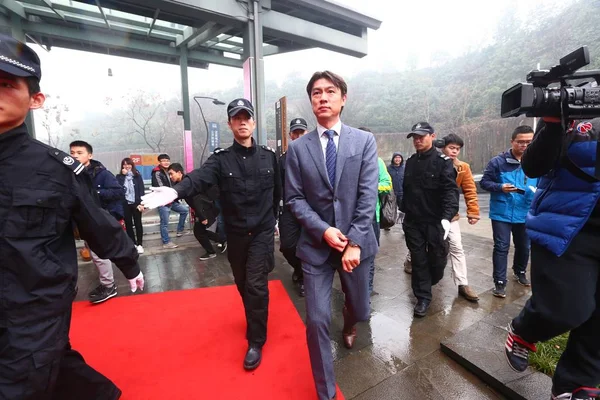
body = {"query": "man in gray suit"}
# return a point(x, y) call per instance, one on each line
point(331, 188)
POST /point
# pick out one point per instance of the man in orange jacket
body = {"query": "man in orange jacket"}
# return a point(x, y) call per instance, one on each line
point(452, 144)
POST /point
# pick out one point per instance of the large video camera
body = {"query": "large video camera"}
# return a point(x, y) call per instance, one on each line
point(536, 99)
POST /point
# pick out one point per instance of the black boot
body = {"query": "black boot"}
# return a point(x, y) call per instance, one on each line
point(253, 358)
point(421, 308)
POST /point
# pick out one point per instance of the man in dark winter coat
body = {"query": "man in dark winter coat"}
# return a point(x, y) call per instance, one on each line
point(111, 195)
point(205, 214)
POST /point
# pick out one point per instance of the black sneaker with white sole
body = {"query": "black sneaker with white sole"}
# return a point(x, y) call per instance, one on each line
point(208, 256)
point(522, 278)
point(102, 293)
point(500, 290)
point(222, 247)
point(517, 350)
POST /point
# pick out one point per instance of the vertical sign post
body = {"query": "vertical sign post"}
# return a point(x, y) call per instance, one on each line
point(281, 125)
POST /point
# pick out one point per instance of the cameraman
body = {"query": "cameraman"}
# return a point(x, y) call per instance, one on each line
point(564, 227)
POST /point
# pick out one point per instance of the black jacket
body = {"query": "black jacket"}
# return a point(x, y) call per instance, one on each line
point(397, 174)
point(160, 177)
point(204, 206)
point(40, 202)
point(249, 184)
point(430, 191)
point(110, 192)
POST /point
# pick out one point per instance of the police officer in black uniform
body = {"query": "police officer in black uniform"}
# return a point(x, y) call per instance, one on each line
point(430, 201)
point(289, 227)
point(250, 190)
point(44, 192)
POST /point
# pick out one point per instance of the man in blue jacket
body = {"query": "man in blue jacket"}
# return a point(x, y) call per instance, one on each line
point(511, 195)
point(564, 226)
point(111, 195)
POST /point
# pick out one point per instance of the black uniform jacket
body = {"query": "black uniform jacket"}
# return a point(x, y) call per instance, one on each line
point(43, 193)
point(249, 184)
point(430, 190)
point(289, 227)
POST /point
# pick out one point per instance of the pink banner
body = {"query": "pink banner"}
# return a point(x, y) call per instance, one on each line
point(188, 152)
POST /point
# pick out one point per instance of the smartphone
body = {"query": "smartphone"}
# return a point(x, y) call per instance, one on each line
point(520, 191)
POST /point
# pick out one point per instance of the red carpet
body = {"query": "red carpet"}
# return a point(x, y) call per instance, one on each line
point(190, 344)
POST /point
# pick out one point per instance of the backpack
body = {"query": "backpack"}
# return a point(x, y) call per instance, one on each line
point(389, 210)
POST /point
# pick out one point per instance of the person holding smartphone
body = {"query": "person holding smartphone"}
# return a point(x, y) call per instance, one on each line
point(511, 195)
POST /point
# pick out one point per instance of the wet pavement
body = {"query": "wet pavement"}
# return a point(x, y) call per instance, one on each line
point(395, 355)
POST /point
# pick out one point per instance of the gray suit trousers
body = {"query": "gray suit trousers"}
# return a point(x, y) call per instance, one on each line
point(318, 281)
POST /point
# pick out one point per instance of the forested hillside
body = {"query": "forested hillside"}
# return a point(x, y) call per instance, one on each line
point(460, 95)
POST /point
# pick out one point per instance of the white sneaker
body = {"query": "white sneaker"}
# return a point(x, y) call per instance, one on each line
point(140, 249)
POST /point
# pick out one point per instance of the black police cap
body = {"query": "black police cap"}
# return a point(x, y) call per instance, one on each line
point(298, 123)
point(421, 129)
point(18, 59)
point(238, 105)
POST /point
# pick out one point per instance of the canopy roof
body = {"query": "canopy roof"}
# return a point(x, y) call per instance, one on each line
point(213, 31)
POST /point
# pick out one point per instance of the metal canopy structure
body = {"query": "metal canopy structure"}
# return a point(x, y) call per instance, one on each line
point(192, 33)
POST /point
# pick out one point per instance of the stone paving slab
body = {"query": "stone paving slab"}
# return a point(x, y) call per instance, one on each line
point(480, 349)
point(395, 356)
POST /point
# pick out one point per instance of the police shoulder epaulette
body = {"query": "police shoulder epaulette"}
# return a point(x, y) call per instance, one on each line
point(267, 148)
point(445, 157)
point(67, 161)
point(220, 150)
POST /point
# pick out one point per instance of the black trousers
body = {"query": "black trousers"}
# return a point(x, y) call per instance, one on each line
point(566, 297)
point(51, 373)
point(133, 217)
point(251, 258)
point(295, 262)
point(429, 252)
point(289, 233)
point(204, 236)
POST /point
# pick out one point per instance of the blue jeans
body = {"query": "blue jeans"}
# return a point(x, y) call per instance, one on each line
point(501, 232)
point(164, 212)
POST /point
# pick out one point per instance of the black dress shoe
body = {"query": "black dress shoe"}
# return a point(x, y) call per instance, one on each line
point(253, 357)
point(421, 308)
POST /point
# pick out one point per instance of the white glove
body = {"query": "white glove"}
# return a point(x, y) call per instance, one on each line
point(446, 226)
point(137, 283)
point(160, 196)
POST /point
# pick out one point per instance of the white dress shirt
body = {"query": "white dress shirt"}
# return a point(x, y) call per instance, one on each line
point(324, 138)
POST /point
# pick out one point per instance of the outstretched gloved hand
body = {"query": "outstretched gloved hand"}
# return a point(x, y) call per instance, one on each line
point(160, 196)
point(137, 283)
point(446, 226)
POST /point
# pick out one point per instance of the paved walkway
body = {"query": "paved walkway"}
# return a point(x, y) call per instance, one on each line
point(395, 356)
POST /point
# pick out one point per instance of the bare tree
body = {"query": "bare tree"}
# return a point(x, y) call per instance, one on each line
point(149, 118)
point(53, 118)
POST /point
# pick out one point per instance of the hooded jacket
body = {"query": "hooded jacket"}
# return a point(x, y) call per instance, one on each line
point(564, 204)
point(397, 174)
point(110, 192)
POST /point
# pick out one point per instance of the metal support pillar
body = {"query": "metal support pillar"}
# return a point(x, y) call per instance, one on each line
point(188, 151)
point(18, 33)
point(259, 74)
point(254, 70)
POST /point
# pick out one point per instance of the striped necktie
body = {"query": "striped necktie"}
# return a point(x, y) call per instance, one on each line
point(330, 156)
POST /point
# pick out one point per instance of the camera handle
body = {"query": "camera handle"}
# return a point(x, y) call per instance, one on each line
point(565, 160)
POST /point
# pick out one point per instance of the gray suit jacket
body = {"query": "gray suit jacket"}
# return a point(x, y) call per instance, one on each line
point(348, 206)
